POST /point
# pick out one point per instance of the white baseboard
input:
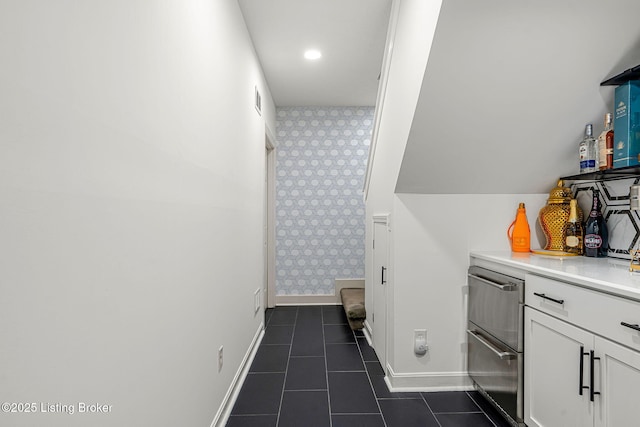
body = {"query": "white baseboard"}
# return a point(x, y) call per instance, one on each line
point(333, 299)
point(306, 300)
point(368, 333)
point(427, 381)
point(222, 416)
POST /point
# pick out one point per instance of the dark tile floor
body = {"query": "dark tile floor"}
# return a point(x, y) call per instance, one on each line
point(312, 370)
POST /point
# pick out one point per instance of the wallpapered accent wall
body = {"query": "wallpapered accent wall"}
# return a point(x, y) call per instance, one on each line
point(321, 162)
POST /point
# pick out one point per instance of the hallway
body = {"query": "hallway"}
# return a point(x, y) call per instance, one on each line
point(307, 347)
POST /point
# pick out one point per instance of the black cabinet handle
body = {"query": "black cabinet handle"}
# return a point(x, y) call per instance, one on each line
point(543, 296)
point(592, 362)
point(383, 279)
point(631, 325)
point(582, 355)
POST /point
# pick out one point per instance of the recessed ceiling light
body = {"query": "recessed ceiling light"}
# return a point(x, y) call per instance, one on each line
point(312, 54)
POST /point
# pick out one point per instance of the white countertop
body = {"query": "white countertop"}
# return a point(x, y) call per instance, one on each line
point(608, 275)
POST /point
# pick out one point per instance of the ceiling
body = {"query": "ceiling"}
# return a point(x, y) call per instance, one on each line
point(351, 35)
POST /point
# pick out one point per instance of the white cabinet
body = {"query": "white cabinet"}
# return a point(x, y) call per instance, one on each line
point(574, 376)
point(619, 387)
point(552, 372)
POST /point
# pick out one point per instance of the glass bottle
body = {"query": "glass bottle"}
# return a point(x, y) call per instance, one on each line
point(519, 232)
point(588, 151)
point(605, 144)
point(573, 232)
point(596, 239)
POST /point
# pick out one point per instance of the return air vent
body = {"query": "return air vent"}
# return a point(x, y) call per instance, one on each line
point(258, 101)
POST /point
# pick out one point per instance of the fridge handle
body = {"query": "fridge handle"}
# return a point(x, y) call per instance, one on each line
point(501, 354)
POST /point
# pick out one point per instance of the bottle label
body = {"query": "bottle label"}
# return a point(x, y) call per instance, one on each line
point(592, 241)
point(586, 164)
point(583, 153)
point(602, 148)
point(572, 241)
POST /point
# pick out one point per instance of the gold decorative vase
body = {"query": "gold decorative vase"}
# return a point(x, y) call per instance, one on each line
point(553, 217)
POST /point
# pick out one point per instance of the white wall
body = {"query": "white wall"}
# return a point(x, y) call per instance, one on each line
point(508, 90)
point(131, 207)
point(433, 235)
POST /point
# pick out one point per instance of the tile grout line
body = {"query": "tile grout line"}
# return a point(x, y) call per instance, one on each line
point(483, 411)
point(286, 371)
point(430, 410)
point(326, 366)
point(373, 390)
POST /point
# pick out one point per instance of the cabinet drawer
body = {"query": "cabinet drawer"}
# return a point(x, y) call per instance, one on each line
point(591, 310)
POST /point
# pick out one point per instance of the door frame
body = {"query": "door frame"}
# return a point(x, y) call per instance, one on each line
point(269, 299)
point(382, 219)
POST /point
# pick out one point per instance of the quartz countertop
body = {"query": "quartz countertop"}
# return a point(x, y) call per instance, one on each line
point(608, 275)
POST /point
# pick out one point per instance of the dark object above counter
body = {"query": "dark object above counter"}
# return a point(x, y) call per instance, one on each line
point(632, 73)
point(625, 172)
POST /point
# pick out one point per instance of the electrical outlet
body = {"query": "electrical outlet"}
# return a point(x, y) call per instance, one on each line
point(256, 301)
point(220, 359)
point(420, 346)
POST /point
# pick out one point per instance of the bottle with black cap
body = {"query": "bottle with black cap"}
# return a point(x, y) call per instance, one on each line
point(596, 236)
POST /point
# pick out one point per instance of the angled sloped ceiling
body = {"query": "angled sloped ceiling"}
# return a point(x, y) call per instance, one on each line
point(508, 89)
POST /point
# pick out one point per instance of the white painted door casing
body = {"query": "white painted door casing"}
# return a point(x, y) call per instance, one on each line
point(380, 287)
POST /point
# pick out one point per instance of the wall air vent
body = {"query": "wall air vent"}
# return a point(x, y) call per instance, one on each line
point(258, 99)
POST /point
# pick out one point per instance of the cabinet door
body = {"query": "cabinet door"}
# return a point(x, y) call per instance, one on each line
point(619, 371)
point(553, 375)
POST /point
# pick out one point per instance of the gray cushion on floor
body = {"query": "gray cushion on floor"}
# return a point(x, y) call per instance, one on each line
point(353, 303)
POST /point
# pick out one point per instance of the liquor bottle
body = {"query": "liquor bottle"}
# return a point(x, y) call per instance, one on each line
point(605, 144)
point(519, 233)
point(588, 151)
point(573, 231)
point(596, 239)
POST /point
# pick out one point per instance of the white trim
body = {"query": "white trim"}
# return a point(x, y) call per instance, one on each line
point(270, 292)
point(222, 416)
point(271, 139)
point(382, 91)
point(427, 381)
point(333, 299)
point(367, 333)
point(347, 283)
point(282, 300)
point(381, 219)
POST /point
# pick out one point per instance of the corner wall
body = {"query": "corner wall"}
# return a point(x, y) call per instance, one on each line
point(131, 207)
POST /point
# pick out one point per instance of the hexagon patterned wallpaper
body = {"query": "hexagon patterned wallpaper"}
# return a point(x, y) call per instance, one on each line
point(320, 166)
point(623, 224)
